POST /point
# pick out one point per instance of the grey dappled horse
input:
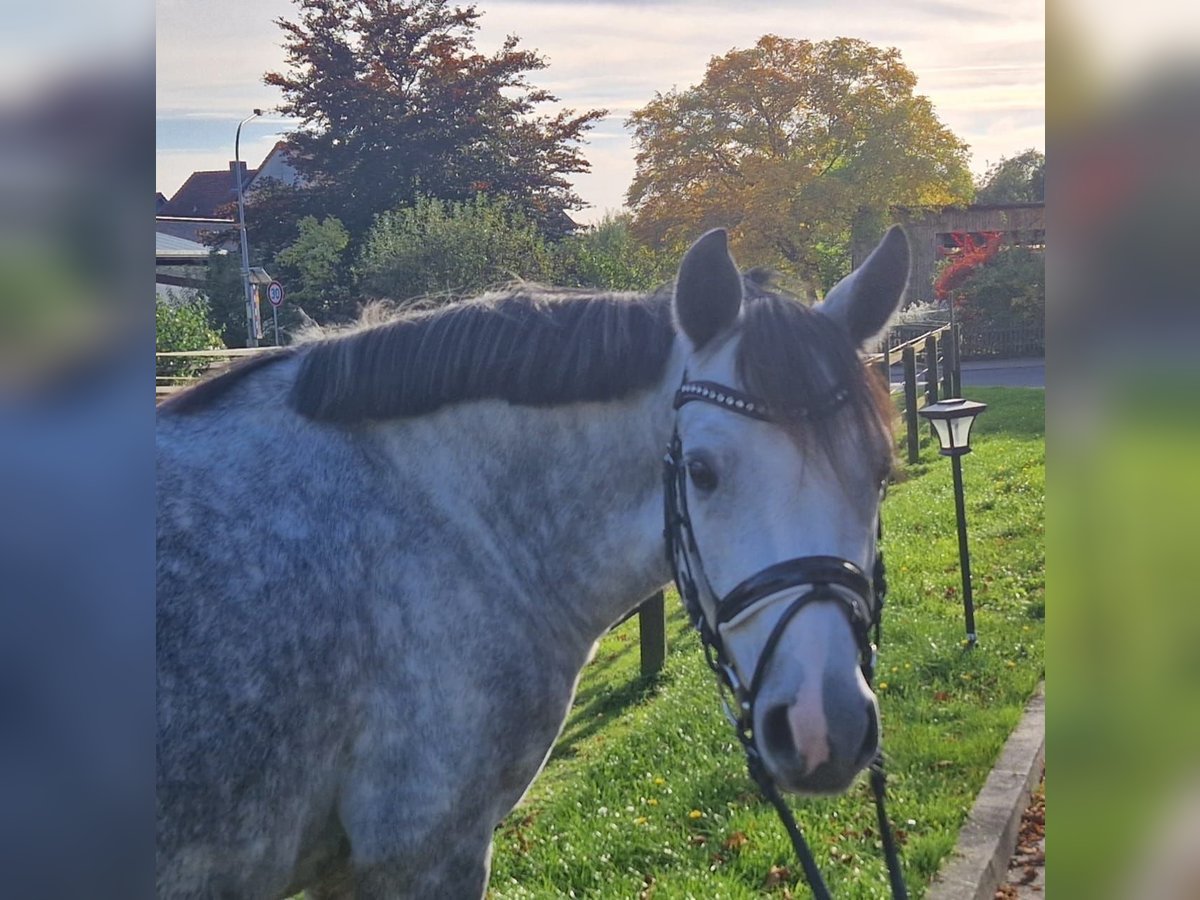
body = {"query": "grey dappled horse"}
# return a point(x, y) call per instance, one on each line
point(384, 557)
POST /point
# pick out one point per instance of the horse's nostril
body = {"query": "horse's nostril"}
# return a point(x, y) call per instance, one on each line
point(777, 731)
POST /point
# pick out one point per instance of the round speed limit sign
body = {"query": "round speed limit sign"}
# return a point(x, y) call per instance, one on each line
point(275, 293)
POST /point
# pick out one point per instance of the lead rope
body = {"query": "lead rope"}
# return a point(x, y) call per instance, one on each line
point(890, 851)
point(811, 873)
point(878, 777)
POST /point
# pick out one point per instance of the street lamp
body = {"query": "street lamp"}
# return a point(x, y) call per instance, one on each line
point(251, 336)
point(952, 420)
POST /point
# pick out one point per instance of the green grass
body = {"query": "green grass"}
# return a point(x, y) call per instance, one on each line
point(646, 793)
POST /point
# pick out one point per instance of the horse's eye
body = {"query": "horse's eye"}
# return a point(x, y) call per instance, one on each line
point(703, 477)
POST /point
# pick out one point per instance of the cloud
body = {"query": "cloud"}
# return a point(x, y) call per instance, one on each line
point(978, 66)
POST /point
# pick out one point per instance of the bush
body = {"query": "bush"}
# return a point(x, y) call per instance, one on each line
point(1007, 291)
point(182, 324)
point(608, 256)
point(455, 249)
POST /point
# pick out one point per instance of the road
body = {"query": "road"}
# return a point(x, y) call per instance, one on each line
point(1005, 373)
point(991, 373)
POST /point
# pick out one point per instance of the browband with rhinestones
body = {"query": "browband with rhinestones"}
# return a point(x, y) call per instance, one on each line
point(748, 405)
point(719, 394)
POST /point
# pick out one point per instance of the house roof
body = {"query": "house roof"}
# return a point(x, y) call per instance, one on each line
point(203, 194)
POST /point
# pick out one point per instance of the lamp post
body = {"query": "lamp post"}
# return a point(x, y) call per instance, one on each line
point(251, 337)
point(952, 420)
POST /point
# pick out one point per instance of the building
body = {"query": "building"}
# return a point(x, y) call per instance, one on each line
point(179, 265)
point(204, 209)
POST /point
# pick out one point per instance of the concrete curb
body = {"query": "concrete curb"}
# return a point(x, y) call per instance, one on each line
point(979, 863)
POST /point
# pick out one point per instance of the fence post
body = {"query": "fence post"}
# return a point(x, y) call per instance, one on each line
point(956, 343)
point(885, 364)
point(910, 401)
point(652, 628)
point(931, 369)
point(948, 364)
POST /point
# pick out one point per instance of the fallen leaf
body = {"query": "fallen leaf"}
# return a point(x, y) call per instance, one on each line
point(777, 876)
point(735, 841)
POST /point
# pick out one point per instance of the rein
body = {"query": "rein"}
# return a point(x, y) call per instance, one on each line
point(828, 579)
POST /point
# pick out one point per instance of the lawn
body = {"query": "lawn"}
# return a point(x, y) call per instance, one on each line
point(646, 793)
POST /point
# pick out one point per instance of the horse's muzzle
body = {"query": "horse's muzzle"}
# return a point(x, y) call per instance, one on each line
point(819, 754)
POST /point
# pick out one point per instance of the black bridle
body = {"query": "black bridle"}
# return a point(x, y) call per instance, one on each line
point(827, 578)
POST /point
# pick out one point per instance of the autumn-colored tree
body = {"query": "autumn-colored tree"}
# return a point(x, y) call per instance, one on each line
point(793, 145)
point(395, 102)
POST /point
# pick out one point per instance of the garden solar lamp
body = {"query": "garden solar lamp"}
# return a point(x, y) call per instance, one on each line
point(952, 420)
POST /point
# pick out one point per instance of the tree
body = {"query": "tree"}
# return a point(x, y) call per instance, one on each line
point(793, 145)
point(454, 249)
point(224, 295)
point(1016, 179)
point(316, 272)
point(395, 102)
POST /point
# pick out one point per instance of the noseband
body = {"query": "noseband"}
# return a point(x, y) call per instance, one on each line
point(823, 578)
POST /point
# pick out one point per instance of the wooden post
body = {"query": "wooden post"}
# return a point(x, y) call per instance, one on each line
point(885, 364)
point(948, 363)
point(910, 401)
point(931, 369)
point(652, 627)
point(956, 342)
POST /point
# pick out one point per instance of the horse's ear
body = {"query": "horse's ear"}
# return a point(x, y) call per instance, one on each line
point(865, 299)
point(708, 290)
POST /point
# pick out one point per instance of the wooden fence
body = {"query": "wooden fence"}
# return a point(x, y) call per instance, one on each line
point(930, 366)
point(165, 385)
point(929, 369)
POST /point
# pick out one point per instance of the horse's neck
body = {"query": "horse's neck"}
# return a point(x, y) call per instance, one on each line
point(565, 501)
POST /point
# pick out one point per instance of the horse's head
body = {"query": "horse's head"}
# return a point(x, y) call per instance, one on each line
point(783, 503)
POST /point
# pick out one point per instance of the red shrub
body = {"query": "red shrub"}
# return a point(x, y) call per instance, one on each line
point(970, 256)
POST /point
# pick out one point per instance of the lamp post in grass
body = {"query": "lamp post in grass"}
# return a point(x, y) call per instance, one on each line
point(952, 420)
point(251, 330)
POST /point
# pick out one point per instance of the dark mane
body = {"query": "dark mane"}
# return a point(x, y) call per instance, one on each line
point(532, 348)
point(796, 359)
point(541, 348)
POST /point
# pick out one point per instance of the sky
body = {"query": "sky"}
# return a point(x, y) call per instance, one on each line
point(983, 66)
